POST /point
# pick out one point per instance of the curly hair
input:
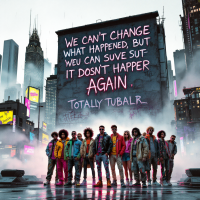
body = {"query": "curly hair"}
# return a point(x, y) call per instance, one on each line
point(150, 127)
point(54, 133)
point(159, 133)
point(136, 129)
point(63, 131)
point(90, 130)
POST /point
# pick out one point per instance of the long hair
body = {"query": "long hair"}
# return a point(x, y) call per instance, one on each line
point(136, 129)
point(90, 130)
point(129, 135)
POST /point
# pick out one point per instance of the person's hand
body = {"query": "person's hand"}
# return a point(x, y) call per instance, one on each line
point(143, 159)
point(106, 154)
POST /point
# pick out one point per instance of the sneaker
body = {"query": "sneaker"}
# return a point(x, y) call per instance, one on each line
point(56, 181)
point(74, 183)
point(137, 184)
point(127, 182)
point(130, 183)
point(47, 182)
point(165, 183)
point(108, 183)
point(84, 183)
point(122, 183)
point(99, 184)
point(77, 183)
point(155, 183)
point(114, 183)
point(68, 183)
point(144, 185)
point(60, 183)
point(149, 183)
point(169, 183)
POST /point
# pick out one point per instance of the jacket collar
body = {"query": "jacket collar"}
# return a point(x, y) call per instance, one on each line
point(148, 136)
point(104, 134)
point(113, 135)
point(60, 140)
point(173, 143)
point(139, 138)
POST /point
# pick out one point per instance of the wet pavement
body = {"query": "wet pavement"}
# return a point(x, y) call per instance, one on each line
point(53, 192)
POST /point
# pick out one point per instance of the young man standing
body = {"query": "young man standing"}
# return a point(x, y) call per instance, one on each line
point(154, 155)
point(116, 155)
point(60, 154)
point(51, 158)
point(87, 154)
point(81, 159)
point(164, 158)
point(101, 149)
point(72, 155)
point(138, 155)
point(173, 152)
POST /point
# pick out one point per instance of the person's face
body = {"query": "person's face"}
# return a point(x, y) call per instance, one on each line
point(162, 135)
point(88, 134)
point(135, 133)
point(172, 139)
point(73, 134)
point(101, 129)
point(63, 135)
point(55, 137)
point(79, 137)
point(150, 131)
point(114, 130)
point(126, 135)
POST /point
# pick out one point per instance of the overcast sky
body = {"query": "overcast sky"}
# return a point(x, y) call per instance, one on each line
point(55, 15)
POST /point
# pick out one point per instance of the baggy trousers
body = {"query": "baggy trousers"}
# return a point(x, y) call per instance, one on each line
point(113, 159)
point(138, 167)
point(164, 170)
point(62, 165)
point(102, 158)
point(153, 163)
point(91, 162)
point(72, 162)
point(171, 166)
point(51, 166)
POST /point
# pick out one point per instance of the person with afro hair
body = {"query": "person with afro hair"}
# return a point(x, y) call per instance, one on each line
point(164, 158)
point(59, 153)
point(138, 155)
point(51, 158)
point(87, 154)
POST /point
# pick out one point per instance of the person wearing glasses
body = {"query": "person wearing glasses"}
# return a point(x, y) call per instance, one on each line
point(138, 155)
point(126, 158)
point(173, 152)
point(101, 149)
point(153, 156)
point(59, 154)
point(87, 154)
point(72, 155)
point(116, 155)
point(164, 157)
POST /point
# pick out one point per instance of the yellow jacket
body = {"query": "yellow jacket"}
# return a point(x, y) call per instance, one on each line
point(59, 148)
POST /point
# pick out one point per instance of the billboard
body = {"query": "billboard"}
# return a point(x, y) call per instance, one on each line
point(26, 93)
point(32, 138)
point(28, 150)
point(44, 126)
point(34, 94)
point(6, 117)
point(45, 138)
point(27, 104)
point(111, 66)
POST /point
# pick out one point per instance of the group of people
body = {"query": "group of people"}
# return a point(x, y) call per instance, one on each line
point(136, 154)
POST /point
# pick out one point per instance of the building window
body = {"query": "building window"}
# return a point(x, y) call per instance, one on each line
point(193, 106)
point(196, 30)
point(197, 101)
point(193, 96)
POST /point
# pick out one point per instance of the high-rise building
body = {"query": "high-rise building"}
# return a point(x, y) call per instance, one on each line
point(170, 79)
point(34, 64)
point(180, 69)
point(9, 64)
point(191, 32)
point(50, 115)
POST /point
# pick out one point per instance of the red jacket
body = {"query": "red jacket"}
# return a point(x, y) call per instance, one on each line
point(120, 144)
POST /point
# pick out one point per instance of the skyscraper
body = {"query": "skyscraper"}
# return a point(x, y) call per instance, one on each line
point(191, 32)
point(50, 115)
point(34, 64)
point(9, 64)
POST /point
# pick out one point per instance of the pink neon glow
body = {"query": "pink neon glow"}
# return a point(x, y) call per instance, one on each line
point(28, 150)
point(181, 138)
point(27, 104)
point(175, 89)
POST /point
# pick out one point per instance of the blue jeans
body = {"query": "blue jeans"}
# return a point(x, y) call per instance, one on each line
point(72, 162)
point(102, 158)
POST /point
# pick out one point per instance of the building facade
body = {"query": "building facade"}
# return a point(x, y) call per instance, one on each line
point(34, 64)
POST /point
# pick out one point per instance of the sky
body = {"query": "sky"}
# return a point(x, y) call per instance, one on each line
point(53, 15)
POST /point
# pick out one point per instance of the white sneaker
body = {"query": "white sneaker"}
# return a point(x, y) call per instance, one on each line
point(130, 183)
point(165, 183)
point(156, 183)
point(149, 183)
point(127, 182)
point(169, 183)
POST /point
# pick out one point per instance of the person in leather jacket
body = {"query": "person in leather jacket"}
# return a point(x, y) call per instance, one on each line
point(101, 149)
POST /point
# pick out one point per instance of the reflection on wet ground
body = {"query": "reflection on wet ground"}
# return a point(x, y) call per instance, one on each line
point(53, 192)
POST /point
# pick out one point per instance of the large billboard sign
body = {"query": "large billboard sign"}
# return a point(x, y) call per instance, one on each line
point(27, 104)
point(34, 94)
point(6, 117)
point(107, 67)
point(28, 150)
point(45, 138)
point(44, 126)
